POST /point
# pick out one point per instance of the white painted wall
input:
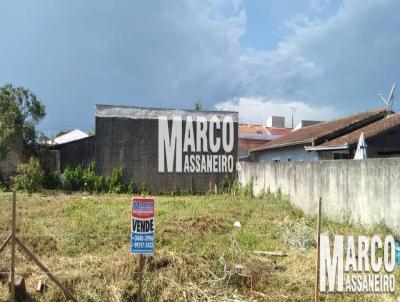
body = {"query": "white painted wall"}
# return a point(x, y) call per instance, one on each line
point(294, 153)
point(365, 191)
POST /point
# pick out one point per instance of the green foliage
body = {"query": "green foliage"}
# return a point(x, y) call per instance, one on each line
point(176, 191)
point(92, 131)
point(73, 178)
point(20, 112)
point(77, 178)
point(89, 178)
point(197, 105)
point(132, 188)
point(247, 190)
point(100, 184)
point(30, 176)
point(116, 183)
point(236, 188)
point(224, 186)
point(144, 189)
point(51, 180)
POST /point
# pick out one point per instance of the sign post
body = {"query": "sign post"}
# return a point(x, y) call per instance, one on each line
point(142, 234)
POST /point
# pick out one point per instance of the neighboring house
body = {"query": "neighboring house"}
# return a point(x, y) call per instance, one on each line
point(305, 123)
point(77, 152)
point(251, 136)
point(68, 137)
point(336, 139)
point(68, 149)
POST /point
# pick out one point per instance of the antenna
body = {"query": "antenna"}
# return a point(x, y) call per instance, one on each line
point(293, 110)
point(389, 101)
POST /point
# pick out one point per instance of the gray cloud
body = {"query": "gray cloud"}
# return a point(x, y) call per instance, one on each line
point(170, 53)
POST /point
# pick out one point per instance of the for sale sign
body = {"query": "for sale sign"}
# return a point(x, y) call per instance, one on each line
point(142, 235)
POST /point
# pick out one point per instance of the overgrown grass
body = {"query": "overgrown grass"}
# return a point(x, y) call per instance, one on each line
point(200, 255)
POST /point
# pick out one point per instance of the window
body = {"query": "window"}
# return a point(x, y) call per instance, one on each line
point(338, 155)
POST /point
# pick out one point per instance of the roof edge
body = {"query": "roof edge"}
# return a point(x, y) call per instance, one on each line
point(261, 148)
point(327, 148)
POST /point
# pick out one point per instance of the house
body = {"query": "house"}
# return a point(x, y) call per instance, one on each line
point(336, 139)
point(75, 152)
point(251, 136)
point(70, 148)
point(68, 137)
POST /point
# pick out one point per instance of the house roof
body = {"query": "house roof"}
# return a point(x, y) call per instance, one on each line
point(325, 131)
point(68, 137)
point(253, 129)
point(279, 131)
point(370, 131)
point(249, 144)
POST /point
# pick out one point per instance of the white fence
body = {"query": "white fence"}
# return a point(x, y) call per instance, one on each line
point(365, 191)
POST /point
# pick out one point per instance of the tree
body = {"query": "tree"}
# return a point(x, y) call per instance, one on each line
point(197, 105)
point(20, 112)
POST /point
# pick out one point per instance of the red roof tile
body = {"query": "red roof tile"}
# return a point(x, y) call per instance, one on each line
point(381, 126)
point(248, 144)
point(321, 132)
point(253, 129)
point(279, 131)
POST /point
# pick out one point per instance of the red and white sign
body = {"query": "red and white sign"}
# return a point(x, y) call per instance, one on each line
point(142, 235)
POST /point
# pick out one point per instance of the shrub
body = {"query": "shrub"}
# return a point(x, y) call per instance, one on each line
point(144, 189)
point(247, 190)
point(116, 182)
point(30, 176)
point(176, 191)
point(236, 188)
point(100, 184)
point(224, 186)
point(89, 180)
point(51, 180)
point(73, 178)
point(132, 188)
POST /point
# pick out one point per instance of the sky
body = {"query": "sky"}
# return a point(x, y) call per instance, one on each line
point(319, 59)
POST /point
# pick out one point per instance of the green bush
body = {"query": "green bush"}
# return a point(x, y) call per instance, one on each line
point(51, 180)
point(236, 188)
point(116, 183)
point(224, 185)
point(101, 185)
point(30, 176)
point(73, 178)
point(144, 189)
point(132, 188)
point(247, 190)
point(77, 178)
point(89, 178)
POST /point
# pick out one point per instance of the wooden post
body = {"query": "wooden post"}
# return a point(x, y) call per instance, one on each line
point(46, 271)
point(3, 246)
point(141, 268)
point(318, 250)
point(13, 239)
point(13, 231)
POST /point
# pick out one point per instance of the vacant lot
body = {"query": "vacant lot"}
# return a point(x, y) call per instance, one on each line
point(200, 255)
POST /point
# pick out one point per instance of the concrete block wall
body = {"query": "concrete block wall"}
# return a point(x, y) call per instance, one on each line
point(132, 142)
point(366, 191)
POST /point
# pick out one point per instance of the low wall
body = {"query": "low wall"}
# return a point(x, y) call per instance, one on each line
point(365, 191)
